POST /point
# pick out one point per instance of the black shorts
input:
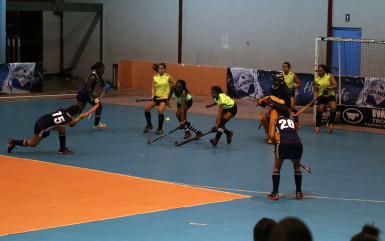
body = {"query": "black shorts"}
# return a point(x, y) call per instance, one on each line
point(233, 110)
point(159, 101)
point(188, 104)
point(37, 130)
point(322, 100)
point(292, 92)
point(289, 150)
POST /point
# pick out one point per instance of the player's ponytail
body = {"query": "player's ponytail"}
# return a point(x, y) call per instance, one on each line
point(156, 66)
point(97, 65)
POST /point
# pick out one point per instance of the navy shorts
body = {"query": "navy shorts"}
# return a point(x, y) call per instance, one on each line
point(289, 150)
point(37, 130)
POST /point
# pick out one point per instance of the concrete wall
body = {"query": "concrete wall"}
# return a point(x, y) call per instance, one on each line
point(257, 34)
point(367, 15)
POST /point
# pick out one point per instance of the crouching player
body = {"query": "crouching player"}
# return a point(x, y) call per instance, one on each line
point(46, 123)
point(227, 110)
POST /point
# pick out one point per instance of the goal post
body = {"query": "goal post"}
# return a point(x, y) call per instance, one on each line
point(349, 58)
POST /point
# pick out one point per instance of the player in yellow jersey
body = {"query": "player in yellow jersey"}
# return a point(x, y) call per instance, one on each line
point(227, 110)
point(292, 81)
point(159, 94)
point(324, 86)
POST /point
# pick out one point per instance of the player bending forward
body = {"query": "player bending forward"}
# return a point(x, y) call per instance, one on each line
point(289, 146)
point(46, 123)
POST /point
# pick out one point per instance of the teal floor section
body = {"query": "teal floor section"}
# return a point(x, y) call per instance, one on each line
point(344, 192)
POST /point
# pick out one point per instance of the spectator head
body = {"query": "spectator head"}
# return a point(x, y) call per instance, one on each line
point(290, 229)
point(263, 228)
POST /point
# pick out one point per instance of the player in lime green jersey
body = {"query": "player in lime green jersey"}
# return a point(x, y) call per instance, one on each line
point(324, 86)
point(227, 110)
point(292, 81)
point(184, 102)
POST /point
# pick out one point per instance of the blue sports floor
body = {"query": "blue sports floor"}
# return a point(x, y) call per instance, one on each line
point(345, 190)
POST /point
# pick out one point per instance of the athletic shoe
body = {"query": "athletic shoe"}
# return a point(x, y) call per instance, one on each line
point(297, 125)
point(159, 131)
point(100, 126)
point(316, 130)
point(229, 137)
point(64, 151)
point(10, 145)
point(187, 135)
point(299, 195)
point(330, 128)
point(198, 134)
point(214, 142)
point(147, 128)
point(273, 196)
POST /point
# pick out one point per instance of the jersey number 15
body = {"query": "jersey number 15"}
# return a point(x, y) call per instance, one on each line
point(59, 119)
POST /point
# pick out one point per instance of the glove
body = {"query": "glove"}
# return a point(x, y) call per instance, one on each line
point(107, 88)
point(96, 100)
point(214, 129)
point(326, 91)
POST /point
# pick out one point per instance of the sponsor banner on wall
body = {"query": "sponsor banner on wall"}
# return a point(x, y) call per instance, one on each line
point(362, 116)
point(253, 84)
point(358, 91)
point(19, 78)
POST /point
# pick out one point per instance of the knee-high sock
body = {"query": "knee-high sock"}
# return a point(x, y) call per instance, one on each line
point(97, 120)
point(221, 129)
point(276, 176)
point(298, 181)
point(20, 142)
point(148, 117)
point(191, 127)
point(332, 117)
point(318, 119)
point(160, 121)
point(62, 140)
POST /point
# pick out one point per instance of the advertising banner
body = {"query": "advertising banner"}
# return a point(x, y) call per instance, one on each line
point(19, 78)
point(362, 116)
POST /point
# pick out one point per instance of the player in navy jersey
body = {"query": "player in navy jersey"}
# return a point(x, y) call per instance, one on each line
point(86, 93)
point(289, 146)
point(53, 121)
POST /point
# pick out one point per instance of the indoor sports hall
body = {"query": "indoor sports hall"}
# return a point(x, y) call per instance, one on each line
point(123, 184)
point(117, 187)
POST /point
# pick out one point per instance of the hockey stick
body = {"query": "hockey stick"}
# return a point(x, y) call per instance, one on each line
point(303, 108)
point(149, 99)
point(306, 168)
point(93, 108)
point(165, 134)
point(97, 103)
point(192, 139)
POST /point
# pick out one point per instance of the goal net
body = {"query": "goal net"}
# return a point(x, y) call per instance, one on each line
point(358, 66)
